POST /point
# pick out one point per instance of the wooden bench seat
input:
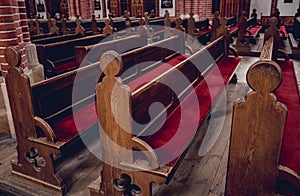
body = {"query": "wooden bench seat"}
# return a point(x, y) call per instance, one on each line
point(199, 29)
point(253, 30)
point(60, 112)
point(45, 126)
point(232, 25)
point(156, 145)
point(142, 53)
point(59, 57)
point(207, 96)
point(248, 30)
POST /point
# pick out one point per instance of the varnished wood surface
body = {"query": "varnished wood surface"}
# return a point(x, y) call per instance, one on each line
point(197, 175)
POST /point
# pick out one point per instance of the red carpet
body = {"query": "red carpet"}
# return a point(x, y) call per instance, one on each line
point(288, 94)
point(254, 29)
point(66, 129)
point(233, 29)
point(170, 141)
point(283, 29)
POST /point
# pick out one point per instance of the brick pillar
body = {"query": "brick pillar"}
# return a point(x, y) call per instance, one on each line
point(23, 20)
point(14, 32)
point(10, 30)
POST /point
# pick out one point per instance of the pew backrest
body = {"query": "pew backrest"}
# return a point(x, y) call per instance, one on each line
point(64, 51)
point(97, 50)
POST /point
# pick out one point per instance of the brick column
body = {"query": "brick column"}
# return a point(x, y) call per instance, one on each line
point(10, 30)
point(14, 32)
point(23, 20)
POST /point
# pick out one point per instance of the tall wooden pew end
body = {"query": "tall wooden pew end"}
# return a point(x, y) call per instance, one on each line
point(44, 122)
point(255, 147)
point(263, 152)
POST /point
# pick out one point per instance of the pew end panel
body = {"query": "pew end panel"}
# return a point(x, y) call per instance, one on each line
point(255, 147)
point(44, 117)
point(257, 131)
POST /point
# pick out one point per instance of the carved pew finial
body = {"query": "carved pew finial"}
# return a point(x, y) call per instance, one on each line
point(146, 16)
point(79, 29)
point(94, 24)
point(39, 30)
point(264, 77)
point(12, 57)
point(223, 29)
point(191, 24)
point(65, 30)
point(257, 130)
point(179, 25)
point(111, 63)
point(54, 29)
point(107, 30)
point(216, 23)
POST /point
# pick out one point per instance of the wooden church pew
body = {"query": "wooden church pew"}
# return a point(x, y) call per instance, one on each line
point(132, 42)
point(59, 57)
point(152, 52)
point(199, 29)
point(133, 149)
point(264, 147)
point(232, 25)
point(44, 122)
point(47, 130)
point(247, 31)
point(57, 32)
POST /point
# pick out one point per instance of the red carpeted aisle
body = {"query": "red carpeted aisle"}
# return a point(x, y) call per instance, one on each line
point(288, 94)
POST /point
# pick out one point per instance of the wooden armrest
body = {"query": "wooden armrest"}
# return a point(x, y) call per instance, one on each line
point(234, 51)
point(147, 150)
point(45, 127)
point(189, 49)
point(247, 31)
point(50, 63)
point(284, 54)
point(282, 33)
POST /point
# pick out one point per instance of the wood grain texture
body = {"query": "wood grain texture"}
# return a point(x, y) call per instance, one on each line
point(117, 105)
point(257, 130)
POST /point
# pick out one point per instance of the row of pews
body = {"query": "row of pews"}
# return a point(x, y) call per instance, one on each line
point(138, 147)
point(61, 112)
point(55, 61)
point(61, 53)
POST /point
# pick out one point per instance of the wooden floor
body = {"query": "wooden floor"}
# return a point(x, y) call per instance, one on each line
point(202, 172)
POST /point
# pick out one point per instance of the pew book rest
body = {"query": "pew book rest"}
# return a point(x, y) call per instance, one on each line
point(136, 156)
